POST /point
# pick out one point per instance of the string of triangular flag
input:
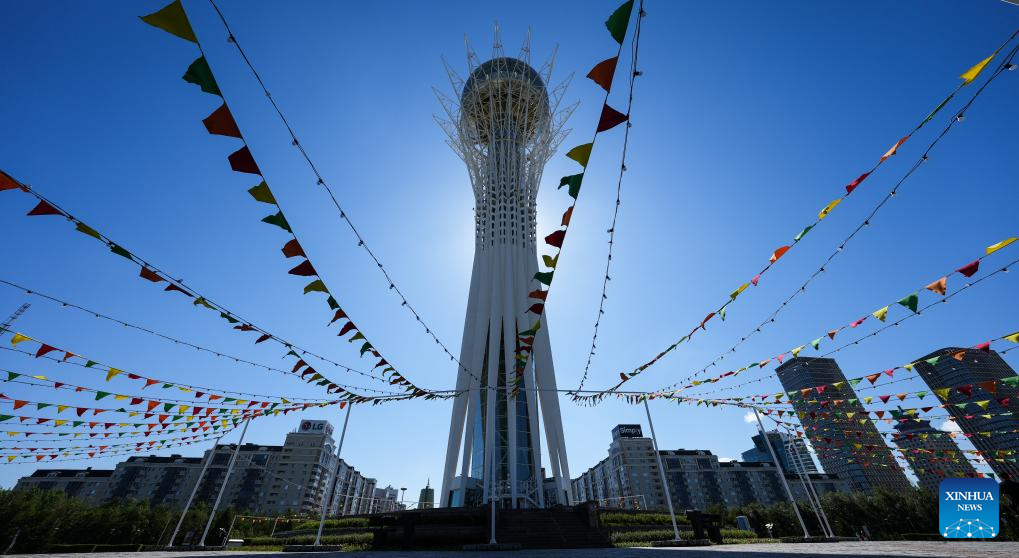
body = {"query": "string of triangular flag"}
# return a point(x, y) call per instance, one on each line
point(613, 226)
point(63, 303)
point(151, 272)
point(602, 74)
point(968, 77)
point(173, 19)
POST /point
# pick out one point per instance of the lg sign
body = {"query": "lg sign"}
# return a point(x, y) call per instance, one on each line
point(313, 425)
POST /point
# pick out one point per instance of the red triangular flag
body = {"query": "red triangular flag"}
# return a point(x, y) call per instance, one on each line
point(242, 161)
point(610, 118)
point(304, 269)
point(44, 349)
point(292, 249)
point(147, 273)
point(556, 239)
point(221, 122)
point(44, 209)
point(969, 269)
point(852, 185)
point(603, 72)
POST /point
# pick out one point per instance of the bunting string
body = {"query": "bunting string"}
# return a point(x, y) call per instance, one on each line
point(602, 74)
point(911, 302)
point(967, 78)
point(321, 181)
point(212, 394)
point(173, 19)
point(154, 274)
point(880, 330)
point(634, 74)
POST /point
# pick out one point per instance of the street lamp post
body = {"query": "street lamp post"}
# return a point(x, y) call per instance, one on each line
point(226, 478)
point(781, 473)
point(661, 471)
point(327, 498)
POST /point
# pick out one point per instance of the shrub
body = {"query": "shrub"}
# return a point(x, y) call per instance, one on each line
point(353, 538)
point(342, 522)
point(618, 519)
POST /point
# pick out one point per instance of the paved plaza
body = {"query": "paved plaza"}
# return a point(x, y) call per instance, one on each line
point(960, 549)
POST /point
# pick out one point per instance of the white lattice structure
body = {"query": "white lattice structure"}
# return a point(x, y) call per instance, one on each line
point(969, 529)
point(505, 125)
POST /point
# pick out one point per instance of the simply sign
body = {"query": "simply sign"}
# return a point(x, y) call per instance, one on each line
point(968, 508)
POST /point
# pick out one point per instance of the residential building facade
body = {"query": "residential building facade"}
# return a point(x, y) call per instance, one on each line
point(696, 479)
point(294, 477)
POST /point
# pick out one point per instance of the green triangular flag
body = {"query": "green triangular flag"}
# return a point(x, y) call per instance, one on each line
point(619, 21)
point(365, 347)
point(90, 364)
point(41, 406)
point(173, 20)
point(910, 301)
point(262, 193)
point(802, 233)
point(573, 181)
point(279, 220)
point(933, 360)
point(544, 277)
point(6, 417)
point(116, 249)
point(333, 305)
point(228, 318)
point(12, 375)
point(167, 406)
point(101, 394)
point(200, 74)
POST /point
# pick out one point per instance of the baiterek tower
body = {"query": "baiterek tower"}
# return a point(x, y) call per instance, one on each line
point(505, 125)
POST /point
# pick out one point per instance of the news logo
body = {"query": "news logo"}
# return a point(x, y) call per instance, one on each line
point(968, 508)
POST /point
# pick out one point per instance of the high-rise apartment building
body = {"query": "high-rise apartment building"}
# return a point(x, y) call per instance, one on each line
point(933, 454)
point(792, 452)
point(836, 436)
point(990, 404)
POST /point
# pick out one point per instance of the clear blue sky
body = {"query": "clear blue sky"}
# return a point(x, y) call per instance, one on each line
point(750, 117)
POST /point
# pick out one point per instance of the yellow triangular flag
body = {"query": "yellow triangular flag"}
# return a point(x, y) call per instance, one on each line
point(881, 314)
point(972, 73)
point(796, 351)
point(581, 154)
point(117, 397)
point(18, 338)
point(173, 20)
point(550, 261)
point(995, 247)
point(62, 408)
point(827, 209)
point(113, 372)
point(1013, 338)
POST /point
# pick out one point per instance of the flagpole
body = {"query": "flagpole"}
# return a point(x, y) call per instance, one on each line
point(226, 478)
point(194, 491)
point(661, 471)
point(781, 473)
point(336, 475)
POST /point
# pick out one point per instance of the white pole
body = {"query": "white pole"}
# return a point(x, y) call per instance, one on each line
point(781, 474)
point(230, 530)
point(661, 471)
point(274, 524)
point(194, 491)
point(810, 483)
point(327, 501)
point(803, 481)
point(222, 489)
